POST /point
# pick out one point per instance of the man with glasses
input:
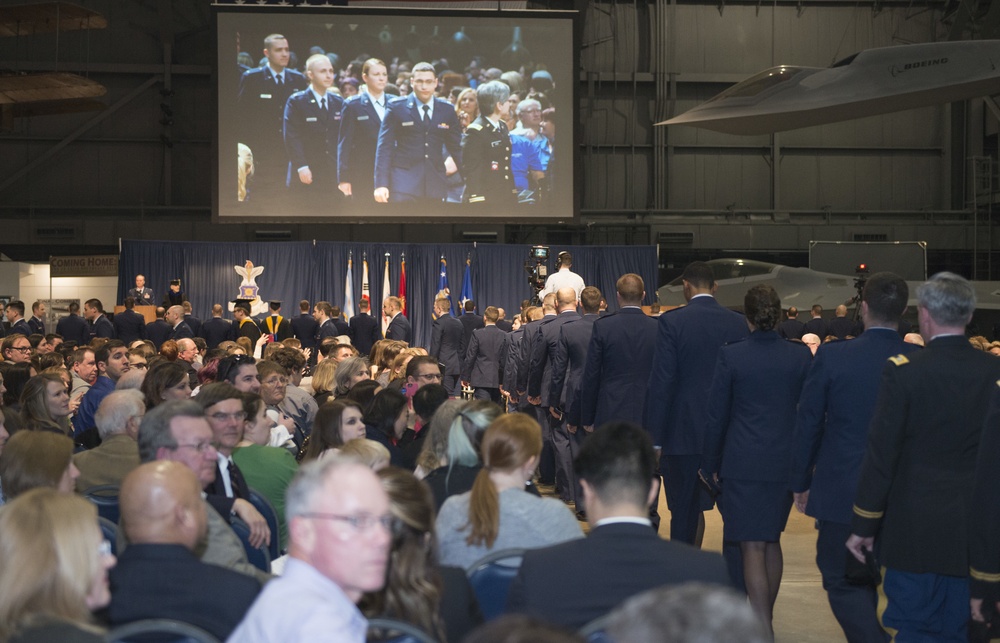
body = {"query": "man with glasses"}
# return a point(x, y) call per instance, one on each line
point(228, 491)
point(16, 349)
point(137, 360)
point(410, 161)
point(421, 370)
point(178, 431)
point(117, 419)
point(339, 528)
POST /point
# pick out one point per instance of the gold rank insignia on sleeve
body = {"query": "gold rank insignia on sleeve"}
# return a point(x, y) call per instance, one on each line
point(899, 360)
point(871, 515)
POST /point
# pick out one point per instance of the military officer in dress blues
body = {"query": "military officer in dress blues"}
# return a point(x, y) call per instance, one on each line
point(261, 107)
point(359, 127)
point(312, 128)
point(417, 129)
point(140, 294)
point(486, 150)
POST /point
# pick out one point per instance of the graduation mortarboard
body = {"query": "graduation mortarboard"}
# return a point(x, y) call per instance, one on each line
point(175, 282)
point(275, 305)
point(242, 304)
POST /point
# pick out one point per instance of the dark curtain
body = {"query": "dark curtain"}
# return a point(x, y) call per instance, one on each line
point(316, 271)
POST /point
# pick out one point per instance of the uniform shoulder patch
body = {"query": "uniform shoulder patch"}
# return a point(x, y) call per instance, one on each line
point(899, 360)
point(475, 126)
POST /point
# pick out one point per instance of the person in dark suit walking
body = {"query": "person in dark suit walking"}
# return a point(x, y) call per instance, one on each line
point(158, 575)
point(623, 555)
point(74, 328)
point(130, 325)
point(100, 326)
point(304, 327)
point(364, 329)
point(747, 448)
point(158, 330)
point(489, 181)
point(835, 410)
point(619, 359)
point(359, 127)
point(261, 107)
point(570, 360)
point(916, 484)
point(399, 326)
point(483, 365)
point(193, 322)
point(312, 129)
point(325, 326)
point(410, 155)
point(792, 328)
point(543, 348)
point(470, 322)
point(446, 345)
point(216, 330)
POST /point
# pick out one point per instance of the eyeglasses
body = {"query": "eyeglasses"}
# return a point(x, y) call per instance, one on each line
point(21, 349)
point(360, 522)
point(221, 417)
point(141, 366)
point(201, 447)
point(272, 381)
point(431, 377)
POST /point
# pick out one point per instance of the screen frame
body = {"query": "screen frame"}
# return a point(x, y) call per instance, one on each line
point(395, 216)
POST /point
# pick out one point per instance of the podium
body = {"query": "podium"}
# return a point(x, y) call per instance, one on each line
point(148, 312)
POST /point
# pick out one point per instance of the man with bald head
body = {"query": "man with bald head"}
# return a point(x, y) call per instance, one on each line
point(544, 346)
point(843, 326)
point(159, 575)
point(339, 529)
point(179, 328)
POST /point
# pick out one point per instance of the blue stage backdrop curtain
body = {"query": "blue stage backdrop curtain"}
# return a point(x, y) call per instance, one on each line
point(316, 271)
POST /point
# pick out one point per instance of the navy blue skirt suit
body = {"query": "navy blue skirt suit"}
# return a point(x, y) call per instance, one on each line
point(750, 432)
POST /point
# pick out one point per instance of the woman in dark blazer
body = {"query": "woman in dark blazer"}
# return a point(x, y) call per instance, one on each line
point(755, 390)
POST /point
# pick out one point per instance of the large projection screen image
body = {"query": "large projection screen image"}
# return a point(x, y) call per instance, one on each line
point(311, 127)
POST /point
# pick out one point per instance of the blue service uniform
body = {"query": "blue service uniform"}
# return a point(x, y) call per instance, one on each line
point(359, 127)
point(311, 133)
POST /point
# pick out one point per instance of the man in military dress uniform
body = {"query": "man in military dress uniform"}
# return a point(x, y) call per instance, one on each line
point(486, 150)
point(915, 490)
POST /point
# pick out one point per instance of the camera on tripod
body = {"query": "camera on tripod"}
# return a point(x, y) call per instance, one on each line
point(536, 265)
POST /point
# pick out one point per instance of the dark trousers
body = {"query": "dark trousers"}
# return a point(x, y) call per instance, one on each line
point(562, 448)
point(684, 495)
point(547, 460)
point(922, 608)
point(852, 605)
point(491, 394)
point(452, 384)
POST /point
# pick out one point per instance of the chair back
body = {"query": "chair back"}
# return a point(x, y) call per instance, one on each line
point(266, 509)
point(389, 630)
point(159, 630)
point(110, 532)
point(257, 556)
point(105, 496)
point(491, 577)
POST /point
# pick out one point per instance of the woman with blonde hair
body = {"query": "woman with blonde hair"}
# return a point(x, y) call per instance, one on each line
point(498, 513)
point(45, 404)
point(54, 566)
point(323, 381)
point(386, 352)
point(467, 107)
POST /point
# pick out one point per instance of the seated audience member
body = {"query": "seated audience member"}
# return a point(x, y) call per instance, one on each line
point(267, 470)
point(118, 418)
point(164, 382)
point(178, 431)
point(385, 422)
point(689, 613)
point(438, 600)
point(45, 404)
point(241, 372)
point(229, 492)
point(132, 381)
point(339, 528)
point(370, 453)
point(323, 381)
point(337, 423)
point(498, 513)
point(15, 377)
point(53, 569)
point(518, 628)
point(434, 452)
point(274, 388)
point(624, 554)
point(298, 404)
point(33, 459)
point(158, 575)
point(364, 392)
point(349, 372)
point(462, 463)
point(425, 403)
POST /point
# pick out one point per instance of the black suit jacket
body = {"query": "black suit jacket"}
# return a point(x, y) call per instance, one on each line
point(130, 326)
point(168, 581)
point(364, 330)
point(483, 365)
point(573, 583)
point(215, 331)
point(194, 323)
point(470, 322)
point(399, 329)
point(569, 361)
point(446, 343)
point(181, 331)
point(543, 349)
point(74, 328)
point(304, 328)
point(817, 326)
point(158, 331)
point(102, 327)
